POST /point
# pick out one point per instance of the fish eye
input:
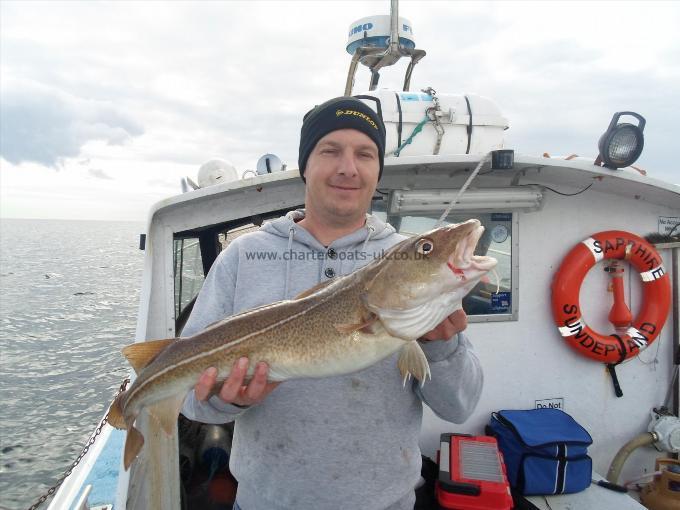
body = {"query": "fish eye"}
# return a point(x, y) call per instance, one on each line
point(424, 246)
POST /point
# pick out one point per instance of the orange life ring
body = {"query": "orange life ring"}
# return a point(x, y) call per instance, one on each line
point(566, 285)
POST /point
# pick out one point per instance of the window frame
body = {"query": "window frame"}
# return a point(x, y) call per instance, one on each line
point(514, 277)
point(210, 248)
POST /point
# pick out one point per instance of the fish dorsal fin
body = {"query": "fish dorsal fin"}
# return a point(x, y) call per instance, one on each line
point(312, 290)
point(250, 311)
point(140, 354)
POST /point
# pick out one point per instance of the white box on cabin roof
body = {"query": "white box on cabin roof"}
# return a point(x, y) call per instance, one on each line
point(408, 109)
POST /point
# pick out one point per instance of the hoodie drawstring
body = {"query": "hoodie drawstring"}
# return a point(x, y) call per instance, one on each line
point(371, 231)
point(291, 234)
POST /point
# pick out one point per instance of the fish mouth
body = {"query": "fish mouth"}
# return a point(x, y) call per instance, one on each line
point(464, 258)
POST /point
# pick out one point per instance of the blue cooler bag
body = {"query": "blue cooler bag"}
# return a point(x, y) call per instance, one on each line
point(545, 450)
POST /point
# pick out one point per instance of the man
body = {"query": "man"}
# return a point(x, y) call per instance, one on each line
point(346, 442)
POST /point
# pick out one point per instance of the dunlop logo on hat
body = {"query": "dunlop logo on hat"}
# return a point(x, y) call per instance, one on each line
point(355, 113)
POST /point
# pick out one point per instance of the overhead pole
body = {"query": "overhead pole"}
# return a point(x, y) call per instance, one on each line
point(394, 26)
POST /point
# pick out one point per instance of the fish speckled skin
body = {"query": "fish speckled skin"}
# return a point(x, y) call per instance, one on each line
point(337, 328)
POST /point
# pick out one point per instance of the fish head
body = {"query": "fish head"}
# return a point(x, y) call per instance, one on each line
point(423, 279)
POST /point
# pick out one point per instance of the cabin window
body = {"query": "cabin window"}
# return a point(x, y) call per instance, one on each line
point(189, 275)
point(195, 251)
point(491, 299)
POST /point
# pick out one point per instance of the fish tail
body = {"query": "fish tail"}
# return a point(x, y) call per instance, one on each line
point(115, 415)
point(134, 440)
point(133, 444)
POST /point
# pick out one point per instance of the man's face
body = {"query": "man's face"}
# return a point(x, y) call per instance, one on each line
point(342, 174)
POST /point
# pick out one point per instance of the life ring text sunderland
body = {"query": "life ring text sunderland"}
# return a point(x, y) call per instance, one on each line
point(656, 296)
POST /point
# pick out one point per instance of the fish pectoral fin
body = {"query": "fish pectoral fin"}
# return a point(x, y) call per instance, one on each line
point(115, 415)
point(133, 445)
point(412, 362)
point(364, 325)
point(165, 412)
point(140, 354)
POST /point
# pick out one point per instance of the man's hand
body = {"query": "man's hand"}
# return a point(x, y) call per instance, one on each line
point(454, 323)
point(234, 391)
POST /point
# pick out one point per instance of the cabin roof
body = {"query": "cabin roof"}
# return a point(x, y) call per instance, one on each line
point(451, 171)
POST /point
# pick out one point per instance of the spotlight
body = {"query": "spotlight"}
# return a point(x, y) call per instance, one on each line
point(621, 145)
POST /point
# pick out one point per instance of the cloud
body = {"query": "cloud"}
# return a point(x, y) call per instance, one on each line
point(99, 174)
point(93, 74)
point(44, 125)
point(163, 183)
point(552, 55)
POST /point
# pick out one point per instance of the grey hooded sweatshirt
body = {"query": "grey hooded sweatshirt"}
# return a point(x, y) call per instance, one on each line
point(345, 442)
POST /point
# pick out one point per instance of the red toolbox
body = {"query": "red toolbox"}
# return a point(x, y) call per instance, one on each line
point(471, 474)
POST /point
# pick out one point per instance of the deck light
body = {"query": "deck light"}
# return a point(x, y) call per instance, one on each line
point(621, 145)
point(487, 199)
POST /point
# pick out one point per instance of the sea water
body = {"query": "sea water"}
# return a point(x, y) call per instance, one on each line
point(69, 293)
point(69, 296)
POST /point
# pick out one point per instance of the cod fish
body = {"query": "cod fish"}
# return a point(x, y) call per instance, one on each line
point(335, 328)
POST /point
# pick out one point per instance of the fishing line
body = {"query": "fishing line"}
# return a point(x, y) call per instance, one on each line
point(498, 280)
point(474, 173)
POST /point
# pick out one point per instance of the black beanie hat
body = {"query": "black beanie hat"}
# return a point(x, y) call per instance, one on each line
point(340, 113)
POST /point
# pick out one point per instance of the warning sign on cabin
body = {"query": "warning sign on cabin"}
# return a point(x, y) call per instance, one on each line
point(550, 403)
point(668, 223)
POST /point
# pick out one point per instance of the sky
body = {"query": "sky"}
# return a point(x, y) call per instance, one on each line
point(105, 106)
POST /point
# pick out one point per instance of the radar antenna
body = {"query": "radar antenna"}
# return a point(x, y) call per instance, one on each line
point(375, 50)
